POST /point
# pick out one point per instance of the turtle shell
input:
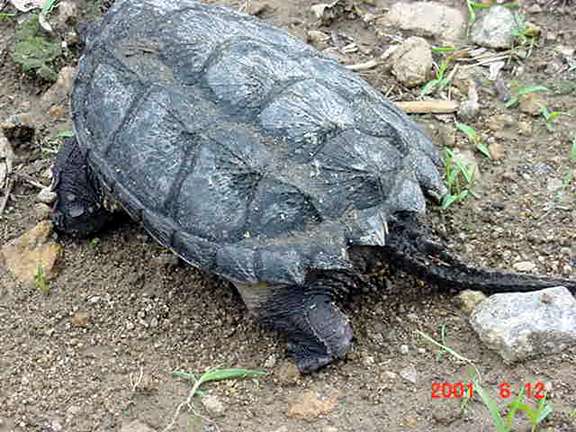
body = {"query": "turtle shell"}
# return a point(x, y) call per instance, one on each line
point(238, 146)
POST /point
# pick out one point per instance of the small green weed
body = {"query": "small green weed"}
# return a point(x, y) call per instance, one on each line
point(40, 280)
point(535, 415)
point(474, 138)
point(573, 150)
point(550, 117)
point(473, 6)
point(522, 91)
point(4, 16)
point(447, 349)
point(458, 179)
point(524, 33)
point(64, 134)
point(209, 376)
point(440, 354)
point(443, 50)
point(440, 81)
point(51, 145)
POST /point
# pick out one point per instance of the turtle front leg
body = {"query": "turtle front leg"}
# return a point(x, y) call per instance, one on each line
point(318, 332)
point(79, 209)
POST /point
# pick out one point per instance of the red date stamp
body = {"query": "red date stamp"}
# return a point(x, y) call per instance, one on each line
point(460, 390)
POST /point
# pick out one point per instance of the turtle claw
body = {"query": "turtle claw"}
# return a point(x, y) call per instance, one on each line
point(318, 332)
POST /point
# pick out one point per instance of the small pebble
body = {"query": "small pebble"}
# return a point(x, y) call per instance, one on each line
point(524, 266)
point(213, 405)
point(42, 211)
point(288, 373)
point(409, 374)
point(46, 196)
point(81, 319)
point(271, 361)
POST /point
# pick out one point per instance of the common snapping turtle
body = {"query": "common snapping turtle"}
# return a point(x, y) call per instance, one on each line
point(250, 155)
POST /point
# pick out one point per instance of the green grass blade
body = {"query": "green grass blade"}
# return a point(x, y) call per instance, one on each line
point(65, 134)
point(6, 16)
point(184, 375)
point(492, 407)
point(531, 89)
point(225, 374)
point(429, 87)
point(443, 49)
point(467, 130)
point(513, 101)
point(513, 408)
point(448, 200)
point(482, 148)
point(444, 347)
point(544, 410)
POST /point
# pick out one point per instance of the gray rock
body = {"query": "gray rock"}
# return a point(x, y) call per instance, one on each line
point(523, 325)
point(412, 62)
point(495, 28)
point(427, 19)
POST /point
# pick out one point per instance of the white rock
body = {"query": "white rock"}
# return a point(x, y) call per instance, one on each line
point(427, 19)
point(523, 325)
point(495, 28)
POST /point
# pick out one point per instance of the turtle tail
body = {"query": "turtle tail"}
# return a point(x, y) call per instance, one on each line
point(409, 247)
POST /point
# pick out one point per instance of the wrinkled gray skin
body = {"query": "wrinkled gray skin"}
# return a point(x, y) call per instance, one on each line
point(252, 156)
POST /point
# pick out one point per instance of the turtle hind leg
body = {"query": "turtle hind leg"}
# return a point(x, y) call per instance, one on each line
point(79, 209)
point(318, 331)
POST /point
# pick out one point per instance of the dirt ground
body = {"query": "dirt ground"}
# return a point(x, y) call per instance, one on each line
point(146, 316)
